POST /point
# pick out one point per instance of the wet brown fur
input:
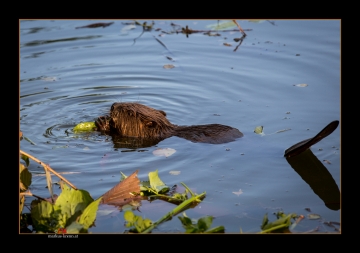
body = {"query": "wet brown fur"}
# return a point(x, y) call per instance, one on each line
point(137, 120)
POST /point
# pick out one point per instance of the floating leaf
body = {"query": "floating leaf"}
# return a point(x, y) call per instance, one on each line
point(227, 44)
point(85, 126)
point(169, 66)
point(49, 79)
point(238, 193)
point(221, 25)
point(164, 152)
point(313, 216)
point(301, 85)
point(175, 172)
point(259, 130)
point(326, 161)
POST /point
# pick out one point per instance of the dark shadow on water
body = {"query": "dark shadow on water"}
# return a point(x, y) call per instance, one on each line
point(315, 174)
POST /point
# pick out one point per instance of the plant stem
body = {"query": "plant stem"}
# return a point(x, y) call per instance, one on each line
point(47, 167)
point(175, 211)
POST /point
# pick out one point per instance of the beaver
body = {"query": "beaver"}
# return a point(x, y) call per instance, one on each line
point(150, 126)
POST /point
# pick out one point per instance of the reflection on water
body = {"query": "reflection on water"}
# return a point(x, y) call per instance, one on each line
point(314, 173)
point(40, 42)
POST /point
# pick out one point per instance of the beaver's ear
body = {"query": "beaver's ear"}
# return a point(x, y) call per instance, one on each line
point(150, 124)
point(162, 112)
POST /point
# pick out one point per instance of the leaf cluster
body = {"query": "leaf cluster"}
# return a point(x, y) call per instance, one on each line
point(136, 223)
point(74, 210)
point(202, 225)
point(280, 225)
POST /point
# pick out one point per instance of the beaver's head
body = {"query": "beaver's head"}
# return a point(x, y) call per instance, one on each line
point(137, 120)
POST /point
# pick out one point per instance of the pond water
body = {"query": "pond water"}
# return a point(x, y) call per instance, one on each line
point(70, 75)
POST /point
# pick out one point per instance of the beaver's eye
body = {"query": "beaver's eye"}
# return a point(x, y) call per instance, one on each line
point(150, 124)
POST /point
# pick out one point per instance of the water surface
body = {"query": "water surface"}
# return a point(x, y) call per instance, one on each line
point(70, 75)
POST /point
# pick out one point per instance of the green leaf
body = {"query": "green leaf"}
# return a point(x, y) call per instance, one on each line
point(26, 159)
point(283, 221)
point(73, 202)
point(129, 216)
point(64, 213)
point(136, 223)
point(42, 213)
point(186, 222)
point(192, 230)
point(25, 176)
point(156, 183)
point(219, 229)
point(85, 126)
point(265, 221)
point(204, 223)
point(87, 218)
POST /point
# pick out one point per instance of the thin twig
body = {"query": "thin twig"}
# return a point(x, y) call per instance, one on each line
point(47, 167)
point(241, 30)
